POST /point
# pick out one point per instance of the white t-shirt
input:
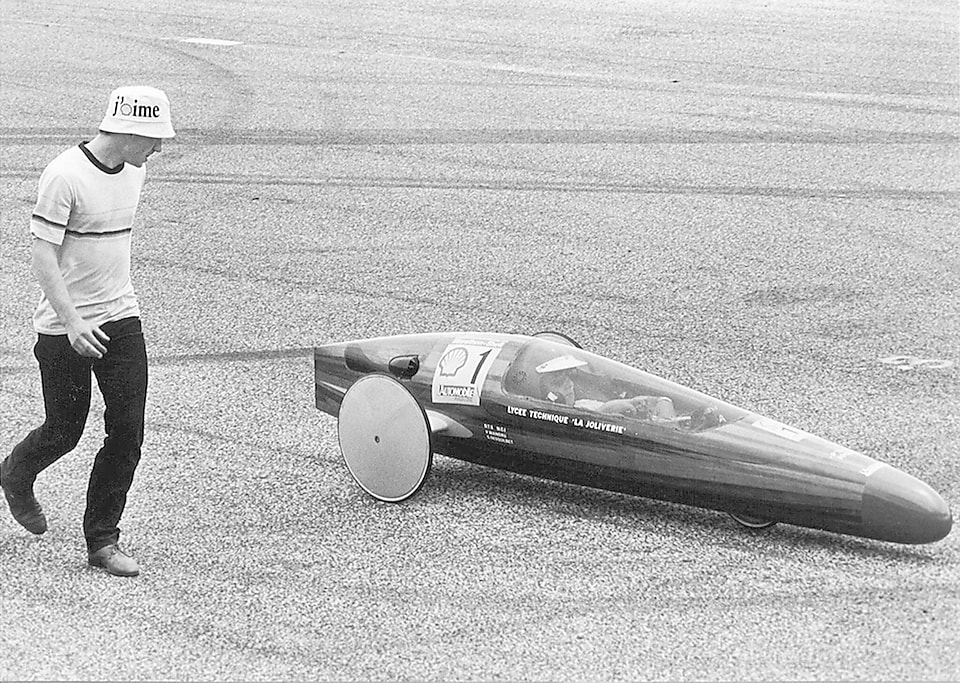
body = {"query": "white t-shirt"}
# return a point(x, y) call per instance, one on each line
point(88, 209)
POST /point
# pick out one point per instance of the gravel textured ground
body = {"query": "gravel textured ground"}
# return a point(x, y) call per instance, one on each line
point(756, 199)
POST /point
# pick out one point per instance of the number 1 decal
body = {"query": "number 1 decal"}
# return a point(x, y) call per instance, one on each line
point(483, 358)
point(462, 370)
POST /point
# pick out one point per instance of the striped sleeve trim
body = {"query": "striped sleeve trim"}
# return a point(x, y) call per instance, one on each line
point(48, 222)
point(108, 233)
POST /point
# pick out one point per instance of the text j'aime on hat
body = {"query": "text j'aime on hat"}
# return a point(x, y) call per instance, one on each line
point(123, 108)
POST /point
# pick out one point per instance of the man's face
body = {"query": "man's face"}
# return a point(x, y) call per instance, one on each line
point(560, 382)
point(139, 148)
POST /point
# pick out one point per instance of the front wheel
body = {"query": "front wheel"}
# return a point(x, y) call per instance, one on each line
point(751, 522)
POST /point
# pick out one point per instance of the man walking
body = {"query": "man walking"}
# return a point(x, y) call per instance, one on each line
point(88, 319)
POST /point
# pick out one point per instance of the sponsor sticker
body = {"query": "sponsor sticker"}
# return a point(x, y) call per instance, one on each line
point(462, 370)
point(573, 420)
point(780, 429)
point(841, 453)
point(498, 433)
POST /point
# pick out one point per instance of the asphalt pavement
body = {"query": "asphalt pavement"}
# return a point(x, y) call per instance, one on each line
point(759, 200)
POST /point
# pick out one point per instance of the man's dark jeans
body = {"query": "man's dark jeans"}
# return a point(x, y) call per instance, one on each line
point(65, 375)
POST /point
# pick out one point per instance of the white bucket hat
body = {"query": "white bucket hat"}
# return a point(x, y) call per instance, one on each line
point(140, 110)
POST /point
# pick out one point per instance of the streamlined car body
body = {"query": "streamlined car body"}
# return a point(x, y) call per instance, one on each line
point(541, 405)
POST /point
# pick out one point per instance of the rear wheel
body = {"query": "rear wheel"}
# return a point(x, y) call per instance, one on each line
point(384, 438)
point(557, 337)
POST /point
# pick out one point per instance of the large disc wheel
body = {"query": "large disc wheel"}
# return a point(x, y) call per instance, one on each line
point(751, 522)
point(384, 438)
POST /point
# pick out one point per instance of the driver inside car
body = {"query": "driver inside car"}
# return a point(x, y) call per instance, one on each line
point(558, 385)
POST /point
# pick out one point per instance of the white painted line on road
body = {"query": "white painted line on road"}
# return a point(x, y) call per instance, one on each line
point(209, 41)
point(915, 363)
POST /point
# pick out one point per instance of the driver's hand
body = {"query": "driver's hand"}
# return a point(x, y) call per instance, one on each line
point(621, 406)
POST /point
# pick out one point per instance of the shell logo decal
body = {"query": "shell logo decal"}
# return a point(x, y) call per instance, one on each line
point(462, 370)
point(454, 359)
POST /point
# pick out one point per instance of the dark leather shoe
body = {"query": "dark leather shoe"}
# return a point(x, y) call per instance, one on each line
point(24, 506)
point(114, 560)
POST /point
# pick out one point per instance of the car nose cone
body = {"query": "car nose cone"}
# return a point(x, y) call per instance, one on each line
point(900, 508)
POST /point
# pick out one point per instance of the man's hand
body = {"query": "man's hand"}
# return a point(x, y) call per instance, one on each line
point(87, 339)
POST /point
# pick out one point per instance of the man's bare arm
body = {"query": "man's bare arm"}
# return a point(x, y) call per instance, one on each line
point(86, 338)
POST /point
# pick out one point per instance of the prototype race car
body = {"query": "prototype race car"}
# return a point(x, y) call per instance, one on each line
point(543, 406)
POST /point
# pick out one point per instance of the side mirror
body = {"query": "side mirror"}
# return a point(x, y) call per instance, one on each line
point(404, 367)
